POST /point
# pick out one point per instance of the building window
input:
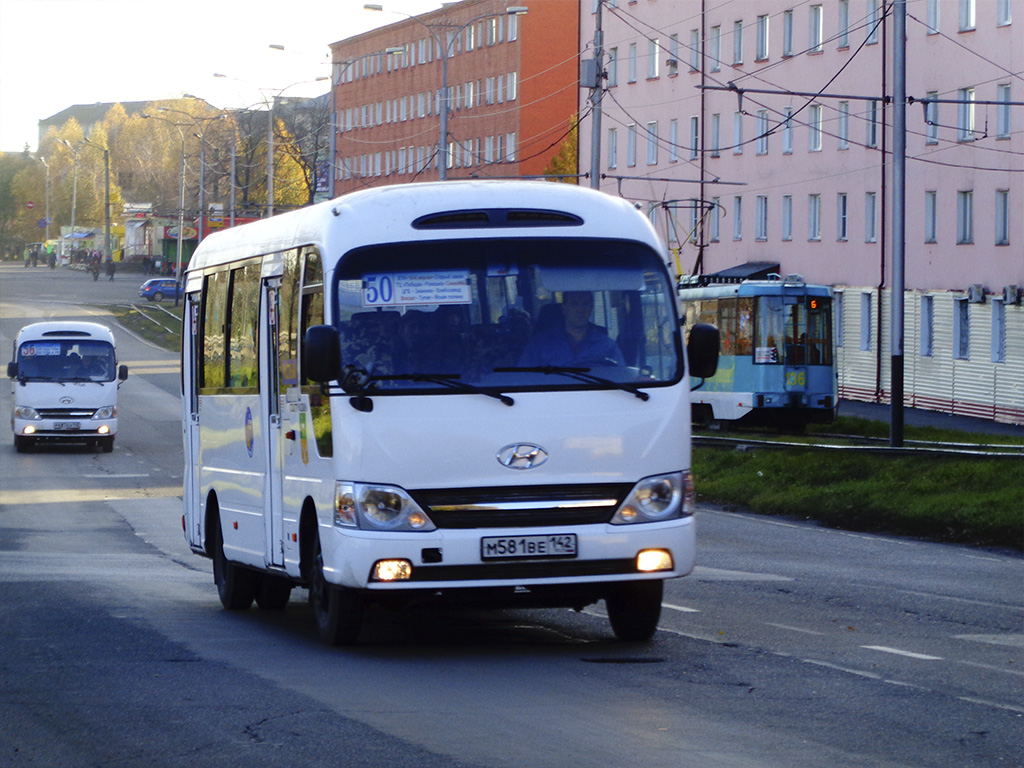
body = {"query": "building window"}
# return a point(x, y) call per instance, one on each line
point(844, 24)
point(694, 50)
point(613, 67)
point(814, 218)
point(511, 86)
point(631, 145)
point(817, 29)
point(761, 218)
point(673, 54)
point(964, 217)
point(1003, 111)
point(872, 123)
point(870, 218)
point(513, 28)
point(872, 22)
point(762, 38)
point(737, 42)
point(694, 137)
point(716, 129)
point(652, 143)
point(932, 17)
point(762, 132)
point(844, 125)
point(865, 322)
point(510, 147)
point(653, 53)
point(814, 123)
point(842, 217)
point(931, 119)
point(613, 148)
point(632, 63)
point(998, 331)
point(715, 216)
point(966, 15)
point(787, 217)
point(1003, 16)
point(931, 220)
point(737, 133)
point(737, 218)
point(673, 141)
point(1002, 217)
point(787, 131)
point(965, 115)
point(961, 329)
point(716, 49)
point(927, 325)
point(787, 33)
point(837, 313)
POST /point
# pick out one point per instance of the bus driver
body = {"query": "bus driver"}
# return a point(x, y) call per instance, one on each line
point(573, 341)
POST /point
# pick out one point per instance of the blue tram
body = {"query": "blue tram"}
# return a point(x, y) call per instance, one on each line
point(777, 364)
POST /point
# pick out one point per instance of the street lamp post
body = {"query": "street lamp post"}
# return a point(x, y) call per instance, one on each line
point(446, 47)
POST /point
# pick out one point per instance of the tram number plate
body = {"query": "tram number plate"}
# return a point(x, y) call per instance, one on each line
point(67, 426)
point(551, 545)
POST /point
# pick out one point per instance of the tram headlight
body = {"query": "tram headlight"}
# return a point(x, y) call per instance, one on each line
point(657, 498)
point(378, 508)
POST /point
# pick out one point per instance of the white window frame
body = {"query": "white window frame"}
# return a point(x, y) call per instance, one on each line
point(871, 123)
point(817, 29)
point(843, 129)
point(737, 42)
point(1003, 111)
point(737, 133)
point(763, 47)
point(787, 34)
point(932, 17)
point(931, 216)
point(737, 218)
point(870, 217)
point(716, 130)
point(931, 119)
point(613, 148)
point(814, 124)
point(965, 115)
point(1003, 14)
point(998, 331)
point(761, 218)
point(613, 67)
point(653, 60)
point(694, 50)
point(716, 49)
point(652, 142)
point(844, 24)
point(762, 132)
point(694, 137)
point(1002, 217)
point(842, 217)
point(814, 218)
point(866, 316)
point(632, 63)
point(787, 130)
point(787, 218)
point(961, 329)
point(967, 16)
point(631, 145)
point(927, 338)
point(716, 220)
point(872, 24)
point(673, 140)
point(965, 217)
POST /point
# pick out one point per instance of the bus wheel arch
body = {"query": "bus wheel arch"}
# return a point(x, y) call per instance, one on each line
point(236, 585)
point(338, 611)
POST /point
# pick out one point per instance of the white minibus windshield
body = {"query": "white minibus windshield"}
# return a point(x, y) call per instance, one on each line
point(66, 360)
point(507, 314)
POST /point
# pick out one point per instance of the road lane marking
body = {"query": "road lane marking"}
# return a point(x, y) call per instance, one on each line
point(996, 704)
point(115, 477)
point(1008, 640)
point(900, 652)
point(721, 574)
point(680, 608)
point(64, 495)
point(794, 629)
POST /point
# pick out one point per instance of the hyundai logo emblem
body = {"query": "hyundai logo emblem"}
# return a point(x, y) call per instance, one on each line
point(522, 456)
point(67, 400)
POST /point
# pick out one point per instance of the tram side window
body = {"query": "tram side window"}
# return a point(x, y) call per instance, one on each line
point(769, 329)
point(819, 331)
point(243, 323)
point(214, 324)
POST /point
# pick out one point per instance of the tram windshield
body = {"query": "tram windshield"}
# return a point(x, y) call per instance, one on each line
point(793, 330)
point(507, 314)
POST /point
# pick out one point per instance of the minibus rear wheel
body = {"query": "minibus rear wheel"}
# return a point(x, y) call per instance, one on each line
point(236, 586)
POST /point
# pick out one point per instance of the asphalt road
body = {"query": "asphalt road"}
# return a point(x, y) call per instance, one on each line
point(791, 645)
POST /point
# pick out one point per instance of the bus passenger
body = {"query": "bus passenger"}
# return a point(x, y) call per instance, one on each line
point(573, 341)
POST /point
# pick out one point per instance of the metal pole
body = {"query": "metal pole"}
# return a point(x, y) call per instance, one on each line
point(74, 198)
point(234, 155)
point(899, 154)
point(443, 146)
point(202, 185)
point(106, 172)
point(270, 158)
point(595, 101)
point(181, 219)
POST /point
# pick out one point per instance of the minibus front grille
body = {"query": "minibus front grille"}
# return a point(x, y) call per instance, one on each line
point(525, 570)
point(521, 507)
point(65, 413)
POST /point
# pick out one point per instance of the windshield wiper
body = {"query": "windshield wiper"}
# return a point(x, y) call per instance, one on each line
point(580, 374)
point(450, 380)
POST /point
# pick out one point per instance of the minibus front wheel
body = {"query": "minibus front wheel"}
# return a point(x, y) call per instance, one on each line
point(338, 611)
point(634, 608)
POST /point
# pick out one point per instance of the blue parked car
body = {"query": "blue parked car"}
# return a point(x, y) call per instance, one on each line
point(160, 287)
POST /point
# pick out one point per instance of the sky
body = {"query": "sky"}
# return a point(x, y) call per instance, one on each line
point(58, 53)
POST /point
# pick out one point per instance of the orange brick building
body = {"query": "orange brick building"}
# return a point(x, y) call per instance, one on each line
point(513, 91)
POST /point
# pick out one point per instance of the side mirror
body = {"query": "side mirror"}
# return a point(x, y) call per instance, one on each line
point(12, 370)
point(321, 354)
point(122, 373)
point(702, 350)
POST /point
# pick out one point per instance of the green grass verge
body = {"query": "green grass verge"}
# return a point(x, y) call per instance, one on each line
point(945, 498)
point(140, 324)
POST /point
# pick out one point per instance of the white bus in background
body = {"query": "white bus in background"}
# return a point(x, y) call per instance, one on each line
point(472, 392)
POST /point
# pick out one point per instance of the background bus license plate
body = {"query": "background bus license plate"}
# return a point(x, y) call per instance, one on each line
point(67, 426)
point(552, 545)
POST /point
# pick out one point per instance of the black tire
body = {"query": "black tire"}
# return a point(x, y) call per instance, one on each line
point(107, 444)
point(22, 444)
point(634, 608)
point(236, 586)
point(158, 296)
point(338, 611)
point(273, 593)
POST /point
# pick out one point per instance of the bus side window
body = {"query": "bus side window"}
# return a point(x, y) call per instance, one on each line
point(312, 313)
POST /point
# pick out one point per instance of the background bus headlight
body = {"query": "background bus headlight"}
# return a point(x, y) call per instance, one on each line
point(378, 508)
point(27, 413)
point(657, 498)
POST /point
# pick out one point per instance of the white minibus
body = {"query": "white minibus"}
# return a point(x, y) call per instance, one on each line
point(66, 379)
point(473, 392)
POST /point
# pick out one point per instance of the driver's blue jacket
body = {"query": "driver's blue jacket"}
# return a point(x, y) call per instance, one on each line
point(553, 346)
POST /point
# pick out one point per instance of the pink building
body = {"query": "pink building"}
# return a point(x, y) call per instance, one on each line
point(762, 131)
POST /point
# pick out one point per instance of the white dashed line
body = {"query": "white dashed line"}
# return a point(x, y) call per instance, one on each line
point(899, 652)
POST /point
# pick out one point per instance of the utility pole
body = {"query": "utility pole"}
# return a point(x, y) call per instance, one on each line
point(596, 92)
point(899, 189)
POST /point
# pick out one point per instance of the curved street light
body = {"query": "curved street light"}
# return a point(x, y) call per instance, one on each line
point(446, 48)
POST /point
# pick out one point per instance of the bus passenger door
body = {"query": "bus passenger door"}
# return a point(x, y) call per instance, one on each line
point(271, 403)
point(190, 370)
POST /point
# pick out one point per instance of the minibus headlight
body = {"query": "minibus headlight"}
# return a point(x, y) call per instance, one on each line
point(654, 499)
point(27, 413)
point(378, 508)
point(106, 412)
